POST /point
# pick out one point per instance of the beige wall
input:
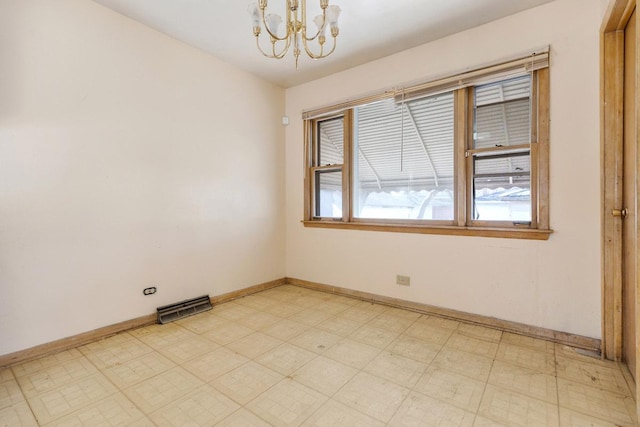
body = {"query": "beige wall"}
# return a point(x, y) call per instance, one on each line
point(127, 160)
point(553, 284)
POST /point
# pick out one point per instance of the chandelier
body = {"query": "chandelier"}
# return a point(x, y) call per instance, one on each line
point(296, 33)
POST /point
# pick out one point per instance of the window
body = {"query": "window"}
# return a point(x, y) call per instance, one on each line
point(462, 155)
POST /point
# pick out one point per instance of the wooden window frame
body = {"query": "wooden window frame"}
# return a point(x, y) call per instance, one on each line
point(463, 223)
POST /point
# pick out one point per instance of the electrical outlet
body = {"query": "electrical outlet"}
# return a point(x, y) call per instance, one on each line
point(403, 280)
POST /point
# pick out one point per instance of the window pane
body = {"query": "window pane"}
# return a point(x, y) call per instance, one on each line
point(331, 146)
point(502, 188)
point(403, 159)
point(329, 194)
point(503, 113)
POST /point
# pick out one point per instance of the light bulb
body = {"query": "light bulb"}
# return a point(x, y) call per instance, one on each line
point(320, 23)
point(254, 12)
point(333, 12)
point(273, 23)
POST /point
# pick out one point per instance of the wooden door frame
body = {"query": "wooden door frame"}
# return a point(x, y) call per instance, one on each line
point(612, 88)
point(611, 137)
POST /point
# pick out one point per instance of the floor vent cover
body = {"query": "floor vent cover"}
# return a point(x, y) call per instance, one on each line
point(171, 312)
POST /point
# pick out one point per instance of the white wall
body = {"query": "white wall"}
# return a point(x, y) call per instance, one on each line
point(553, 284)
point(127, 160)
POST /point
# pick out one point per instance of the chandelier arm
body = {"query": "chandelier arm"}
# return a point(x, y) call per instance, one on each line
point(266, 27)
point(324, 22)
point(321, 55)
point(273, 55)
point(284, 50)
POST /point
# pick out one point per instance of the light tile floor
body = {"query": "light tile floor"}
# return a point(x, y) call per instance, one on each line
point(291, 356)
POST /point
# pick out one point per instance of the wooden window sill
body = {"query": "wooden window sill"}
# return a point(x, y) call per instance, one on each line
point(505, 233)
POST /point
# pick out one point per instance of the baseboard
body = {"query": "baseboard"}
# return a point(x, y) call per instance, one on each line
point(591, 344)
point(74, 341)
point(578, 341)
point(104, 332)
point(248, 291)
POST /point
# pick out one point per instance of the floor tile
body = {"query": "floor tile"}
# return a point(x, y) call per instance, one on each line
point(352, 353)
point(227, 333)
point(393, 367)
point(159, 391)
point(527, 358)
point(6, 375)
point(472, 345)
point(285, 329)
point(143, 422)
point(283, 294)
point(452, 388)
point(419, 410)
point(485, 422)
point(233, 311)
point(608, 378)
point(309, 300)
point(440, 322)
point(243, 418)
point(257, 301)
point(617, 408)
point(202, 323)
point(137, 370)
point(286, 358)
point(526, 381)
point(202, 407)
point(283, 310)
point(430, 333)
point(121, 350)
point(370, 306)
point(359, 314)
point(254, 345)
point(259, 320)
point(116, 410)
point(10, 393)
point(349, 301)
point(339, 325)
point(211, 365)
point(569, 418)
point(55, 376)
point(187, 349)
point(18, 415)
point(288, 403)
point(463, 363)
point(158, 336)
point(391, 323)
point(336, 306)
point(324, 375)
point(372, 396)
point(631, 383)
point(45, 362)
point(316, 340)
point(71, 397)
point(480, 332)
point(310, 317)
point(376, 337)
point(510, 408)
point(532, 343)
point(413, 348)
point(335, 414)
point(246, 382)
point(402, 313)
point(582, 355)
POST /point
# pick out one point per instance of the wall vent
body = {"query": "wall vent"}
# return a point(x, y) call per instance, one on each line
point(171, 312)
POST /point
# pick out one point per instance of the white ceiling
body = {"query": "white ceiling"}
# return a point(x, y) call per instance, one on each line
point(369, 29)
